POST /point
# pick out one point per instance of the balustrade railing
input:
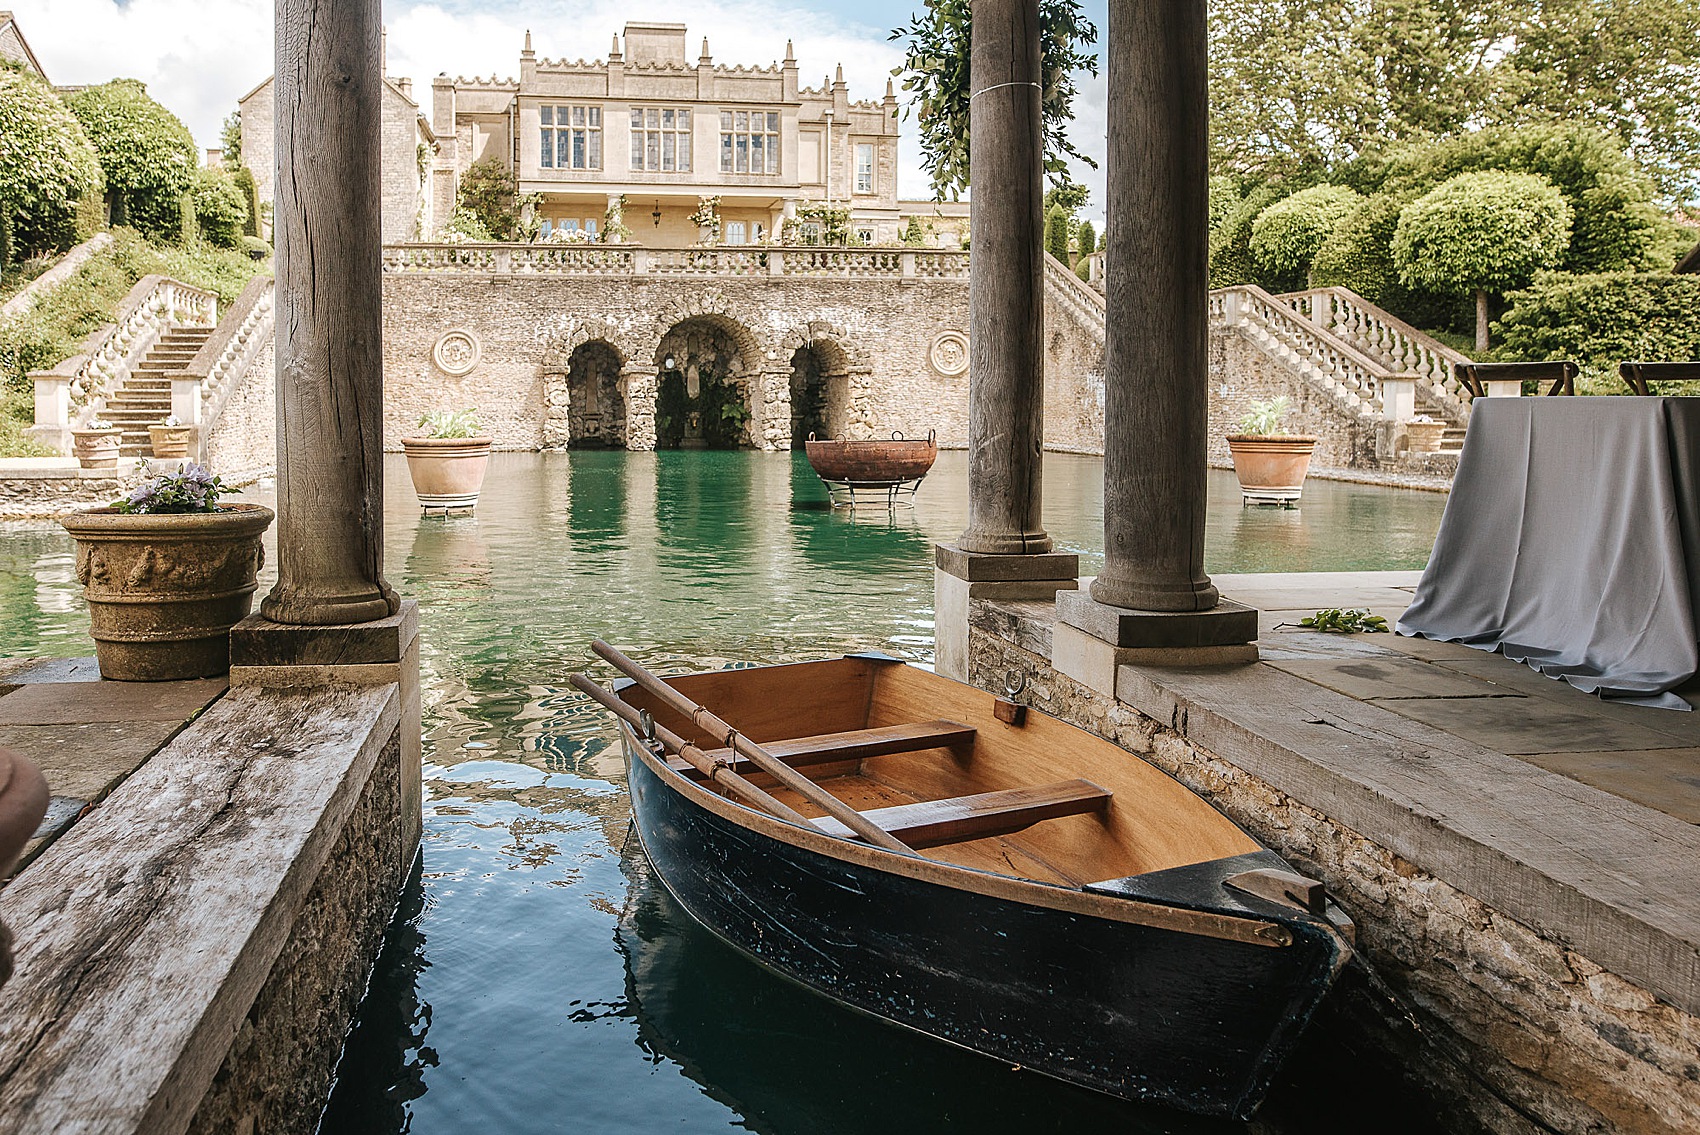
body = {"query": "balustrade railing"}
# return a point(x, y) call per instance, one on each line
point(1358, 383)
point(715, 260)
point(1082, 300)
point(199, 393)
point(1396, 345)
point(75, 391)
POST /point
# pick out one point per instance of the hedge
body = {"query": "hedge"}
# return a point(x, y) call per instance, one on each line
point(1604, 318)
point(1285, 237)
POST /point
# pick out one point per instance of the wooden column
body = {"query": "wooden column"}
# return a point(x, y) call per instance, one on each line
point(330, 386)
point(1155, 392)
point(1005, 292)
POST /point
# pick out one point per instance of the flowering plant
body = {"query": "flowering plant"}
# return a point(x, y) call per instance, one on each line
point(97, 424)
point(171, 421)
point(707, 214)
point(191, 489)
point(568, 236)
point(450, 423)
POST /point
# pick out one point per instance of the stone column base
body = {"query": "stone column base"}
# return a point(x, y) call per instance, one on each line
point(276, 655)
point(960, 577)
point(1091, 641)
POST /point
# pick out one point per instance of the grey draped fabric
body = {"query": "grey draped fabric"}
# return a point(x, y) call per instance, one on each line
point(1571, 542)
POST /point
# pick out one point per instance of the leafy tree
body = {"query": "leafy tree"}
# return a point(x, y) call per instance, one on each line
point(489, 191)
point(1087, 237)
point(936, 68)
point(1615, 223)
point(1070, 196)
point(465, 225)
point(1083, 269)
point(221, 208)
point(46, 164)
point(1056, 233)
point(1481, 233)
point(147, 153)
point(1224, 196)
point(1286, 236)
point(250, 194)
point(1358, 255)
point(230, 140)
point(913, 237)
point(1602, 319)
point(1230, 243)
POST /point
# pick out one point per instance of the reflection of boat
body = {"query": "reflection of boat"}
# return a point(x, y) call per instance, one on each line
point(1076, 912)
point(854, 470)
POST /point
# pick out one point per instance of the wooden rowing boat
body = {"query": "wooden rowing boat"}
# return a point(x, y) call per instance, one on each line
point(872, 464)
point(1042, 896)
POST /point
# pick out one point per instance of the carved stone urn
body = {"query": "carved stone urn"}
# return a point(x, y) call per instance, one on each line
point(96, 448)
point(164, 589)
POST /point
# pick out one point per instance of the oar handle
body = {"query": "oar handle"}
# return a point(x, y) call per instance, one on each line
point(693, 755)
point(758, 756)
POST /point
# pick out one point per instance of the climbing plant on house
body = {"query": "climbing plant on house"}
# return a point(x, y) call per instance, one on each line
point(148, 154)
point(46, 165)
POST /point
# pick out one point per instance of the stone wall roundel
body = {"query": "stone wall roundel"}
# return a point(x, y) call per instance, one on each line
point(456, 352)
point(949, 352)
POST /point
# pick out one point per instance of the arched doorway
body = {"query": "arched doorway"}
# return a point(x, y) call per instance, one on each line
point(820, 391)
point(596, 412)
point(702, 397)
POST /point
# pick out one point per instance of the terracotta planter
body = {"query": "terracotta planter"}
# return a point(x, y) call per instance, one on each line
point(170, 442)
point(95, 449)
point(164, 590)
point(1271, 469)
point(1425, 437)
point(447, 472)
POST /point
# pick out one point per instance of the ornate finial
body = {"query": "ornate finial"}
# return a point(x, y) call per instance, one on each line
point(705, 54)
point(614, 50)
point(840, 78)
point(528, 41)
point(790, 52)
point(889, 92)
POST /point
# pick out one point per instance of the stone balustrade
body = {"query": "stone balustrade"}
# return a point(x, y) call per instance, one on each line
point(1400, 348)
point(198, 395)
point(1358, 384)
point(717, 260)
point(74, 391)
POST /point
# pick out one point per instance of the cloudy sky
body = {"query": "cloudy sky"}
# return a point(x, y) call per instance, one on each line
point(199, 56)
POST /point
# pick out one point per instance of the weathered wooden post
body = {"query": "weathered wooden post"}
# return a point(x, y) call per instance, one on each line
point(1005, 550)
point(1153, 600)
point(330, 383)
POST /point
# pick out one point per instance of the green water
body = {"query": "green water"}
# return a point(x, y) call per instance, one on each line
point(536, 978)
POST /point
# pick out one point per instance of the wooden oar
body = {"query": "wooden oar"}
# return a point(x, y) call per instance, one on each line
point(753, 752)
point(718, 771)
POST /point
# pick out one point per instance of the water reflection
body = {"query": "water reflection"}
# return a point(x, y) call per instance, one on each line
point(511, 996)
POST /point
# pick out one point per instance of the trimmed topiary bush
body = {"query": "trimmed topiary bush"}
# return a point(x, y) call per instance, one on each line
point(1086, 238)
point(1230, 243)
point(1056, 233)
point(1285, 237)
point(46, 165)
point(251, 194)
point(220, 207)
point(148, 154)
point(1481, 233)
point(1224, 197)
point(1603, 319)
point(255, 247)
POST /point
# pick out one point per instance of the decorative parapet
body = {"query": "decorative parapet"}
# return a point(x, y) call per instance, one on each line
point(75, 390)
point(1083, 302)
point(636, 260)
point(1352, 380)
point(1401, 349)
point(199, 393)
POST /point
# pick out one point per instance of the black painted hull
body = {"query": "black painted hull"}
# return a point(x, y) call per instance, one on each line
point(1131, 1008)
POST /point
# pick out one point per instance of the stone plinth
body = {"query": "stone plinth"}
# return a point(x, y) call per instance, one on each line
point(1092, 640)
point(960, 577)
point(278, 656)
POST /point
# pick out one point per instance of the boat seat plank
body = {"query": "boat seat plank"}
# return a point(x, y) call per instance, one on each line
point(934, 823)
point(824, 748)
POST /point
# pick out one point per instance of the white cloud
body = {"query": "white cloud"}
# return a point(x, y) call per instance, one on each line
point(198, 57)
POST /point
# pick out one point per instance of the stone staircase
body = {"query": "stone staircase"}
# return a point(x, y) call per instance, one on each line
point(145, 398)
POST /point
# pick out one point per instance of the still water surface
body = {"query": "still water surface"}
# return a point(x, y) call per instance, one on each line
point(536, 978)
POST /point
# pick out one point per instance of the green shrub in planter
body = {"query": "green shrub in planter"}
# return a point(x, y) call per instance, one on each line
point(256, 247)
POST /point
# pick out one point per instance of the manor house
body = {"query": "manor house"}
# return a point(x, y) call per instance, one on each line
point(649, 125)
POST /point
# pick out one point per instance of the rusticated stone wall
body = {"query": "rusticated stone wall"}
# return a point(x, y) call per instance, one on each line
point(1506, 1031)
point(243, 440)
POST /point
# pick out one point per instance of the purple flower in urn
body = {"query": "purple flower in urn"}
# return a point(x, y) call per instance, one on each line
point(191, 489)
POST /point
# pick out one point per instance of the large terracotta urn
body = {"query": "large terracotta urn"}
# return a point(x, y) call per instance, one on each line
point(447, 472)
point(1425, 437)
point(1271, 467)
point(164, 589)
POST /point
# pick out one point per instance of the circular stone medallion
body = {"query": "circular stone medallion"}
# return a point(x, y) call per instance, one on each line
point(949, 353)
point(456, 353)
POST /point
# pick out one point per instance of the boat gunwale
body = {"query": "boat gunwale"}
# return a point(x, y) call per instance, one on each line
point(1253, 929)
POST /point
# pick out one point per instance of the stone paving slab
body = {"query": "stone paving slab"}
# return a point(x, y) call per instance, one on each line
point(1390, 677)
point(1669, 777)
point(76, 703)
point(49, 669)
point(1531, 725)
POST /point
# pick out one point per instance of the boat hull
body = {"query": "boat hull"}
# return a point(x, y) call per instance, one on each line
point(1122, 1003)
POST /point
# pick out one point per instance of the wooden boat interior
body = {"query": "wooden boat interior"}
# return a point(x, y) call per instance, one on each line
point(929, 760)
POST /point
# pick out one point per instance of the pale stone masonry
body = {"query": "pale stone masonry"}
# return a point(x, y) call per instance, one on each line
point(14, 47)
point(408, 148)
point(665, 129)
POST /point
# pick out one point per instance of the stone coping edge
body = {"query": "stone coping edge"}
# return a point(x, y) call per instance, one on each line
point(1603, 875)
point(145, 934)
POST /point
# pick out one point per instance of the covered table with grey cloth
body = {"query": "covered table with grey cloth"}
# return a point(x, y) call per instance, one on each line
point(1571, 542)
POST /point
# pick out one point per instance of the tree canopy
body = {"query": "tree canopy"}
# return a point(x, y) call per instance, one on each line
point(147, 153)
point(46, 164)
point(1285, 237)
point(1298, 86)
point(936, 68)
